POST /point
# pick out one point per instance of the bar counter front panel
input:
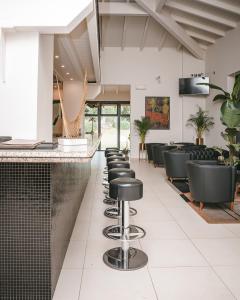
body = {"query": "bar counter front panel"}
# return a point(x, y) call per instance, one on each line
point(39, 203)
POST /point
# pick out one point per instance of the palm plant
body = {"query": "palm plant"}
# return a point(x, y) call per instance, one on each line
point(142, 126)
point(230, 117)
point(201, 122)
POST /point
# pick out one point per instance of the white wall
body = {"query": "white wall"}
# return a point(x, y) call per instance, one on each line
point(45, 88)
point(222, 60)
point(19, 95)
point(136, 67)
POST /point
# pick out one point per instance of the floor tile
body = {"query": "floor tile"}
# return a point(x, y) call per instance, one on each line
point(230, 276)
point(162, 230)
point(68, 286)
point(220, 252)
point(172, 253)
point(198, 283)
point(108, 284)
point(75, 255)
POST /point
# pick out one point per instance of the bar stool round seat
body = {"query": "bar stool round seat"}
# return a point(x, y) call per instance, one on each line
point(114, 154)
point(125, 190)
point(114, 149)
point(113, 158)
point(118, 164)
point(114, 212)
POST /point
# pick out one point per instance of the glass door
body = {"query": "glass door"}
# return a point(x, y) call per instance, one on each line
point(111, 120)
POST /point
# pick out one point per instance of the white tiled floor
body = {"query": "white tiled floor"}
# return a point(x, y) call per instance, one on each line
point(188, 258)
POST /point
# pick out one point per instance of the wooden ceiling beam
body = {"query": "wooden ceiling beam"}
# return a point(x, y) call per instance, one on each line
point(144, 33)
point(226, 6)
point(200, 13)
point(173, 28)
point(198, 25)
point(121, 9)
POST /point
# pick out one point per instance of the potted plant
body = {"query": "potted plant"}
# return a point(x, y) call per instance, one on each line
point(230, 117)
point(201, 122)
point(142, 126)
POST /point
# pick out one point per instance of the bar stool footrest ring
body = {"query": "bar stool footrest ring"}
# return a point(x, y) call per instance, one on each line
point(117, 232)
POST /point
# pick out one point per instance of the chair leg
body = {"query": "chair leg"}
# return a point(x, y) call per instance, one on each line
point(201, 205)
point(232, 205)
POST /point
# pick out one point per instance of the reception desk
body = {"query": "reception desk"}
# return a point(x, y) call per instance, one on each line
point(40, 196)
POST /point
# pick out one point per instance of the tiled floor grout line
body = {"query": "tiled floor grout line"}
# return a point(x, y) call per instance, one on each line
point(89, 225)
point(189, 238)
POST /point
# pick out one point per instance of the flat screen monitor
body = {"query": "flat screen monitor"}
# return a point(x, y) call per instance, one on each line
point(188, 86)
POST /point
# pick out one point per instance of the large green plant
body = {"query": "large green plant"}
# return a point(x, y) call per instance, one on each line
point(230, 117)
point(201, 122)
point(142, 126)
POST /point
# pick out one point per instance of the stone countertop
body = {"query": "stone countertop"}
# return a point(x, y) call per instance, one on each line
point(61, 154)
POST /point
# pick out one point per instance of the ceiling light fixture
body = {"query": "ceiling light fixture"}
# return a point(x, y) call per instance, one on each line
point(71, 78)
point(67, 73)
point(56, 56)
point(62, 66)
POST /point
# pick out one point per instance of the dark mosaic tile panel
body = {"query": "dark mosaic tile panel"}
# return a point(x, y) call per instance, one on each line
point(39, 203)
point(68, 186)
point(25, 271)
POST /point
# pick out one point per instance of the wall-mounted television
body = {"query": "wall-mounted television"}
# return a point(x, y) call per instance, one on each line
point(188, 86)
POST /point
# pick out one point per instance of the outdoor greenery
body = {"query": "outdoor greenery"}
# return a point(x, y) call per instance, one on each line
point(201, 122)
point(143, 126)
point(230, 117)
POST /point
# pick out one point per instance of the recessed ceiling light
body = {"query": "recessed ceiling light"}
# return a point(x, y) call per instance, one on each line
point(62, 66)
point(56, 56)
point(67, 73)
point(71, 78)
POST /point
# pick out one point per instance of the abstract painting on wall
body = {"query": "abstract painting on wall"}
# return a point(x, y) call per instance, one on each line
point(158, 110)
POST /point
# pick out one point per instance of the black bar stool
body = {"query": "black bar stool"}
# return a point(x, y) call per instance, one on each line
point(109, 159)
point(114, 212)
point(112, 165)
point(125, 258)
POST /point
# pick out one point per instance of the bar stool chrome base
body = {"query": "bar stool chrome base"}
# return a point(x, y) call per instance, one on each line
point(109, 201)
point(114, 212)
point(118, 232)
point(125, 260)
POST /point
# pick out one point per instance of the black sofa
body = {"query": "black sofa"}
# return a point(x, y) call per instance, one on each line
point(175, 160)
point(149, 147)
point(210, 182)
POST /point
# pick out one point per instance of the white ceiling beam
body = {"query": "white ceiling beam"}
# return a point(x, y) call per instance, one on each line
point(198, 25)
point(222, 5)
point(124, 34)
point(200, 36)
point(160, 5)
point(200, 13)
point(144, 33)
point(2, 55)
point(163, 40)
point(120, 9)
point(66, 43)
point(203, 46)
point(94, 43)
point(172, 27)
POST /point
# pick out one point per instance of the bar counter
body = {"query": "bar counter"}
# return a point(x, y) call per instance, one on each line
point(40, 196)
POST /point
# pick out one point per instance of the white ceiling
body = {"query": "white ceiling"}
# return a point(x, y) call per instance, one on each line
point(193, 24)
point(203, 21)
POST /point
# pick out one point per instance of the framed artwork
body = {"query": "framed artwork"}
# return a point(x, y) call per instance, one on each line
point(158, 110)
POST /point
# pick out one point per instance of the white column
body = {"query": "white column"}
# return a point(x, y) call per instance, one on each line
point(26, 94)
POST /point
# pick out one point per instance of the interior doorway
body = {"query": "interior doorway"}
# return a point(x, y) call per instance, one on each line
point(111, 121)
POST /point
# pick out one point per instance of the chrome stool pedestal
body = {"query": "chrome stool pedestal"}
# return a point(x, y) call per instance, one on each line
point(125, 258)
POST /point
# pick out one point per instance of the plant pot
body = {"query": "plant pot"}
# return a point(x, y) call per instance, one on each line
point(142, 146)
point(199, 141)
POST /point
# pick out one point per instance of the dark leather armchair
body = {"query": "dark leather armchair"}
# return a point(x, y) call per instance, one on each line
point(211, 183)
point(157, 152)
point(150, 149)
point(175, 160)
